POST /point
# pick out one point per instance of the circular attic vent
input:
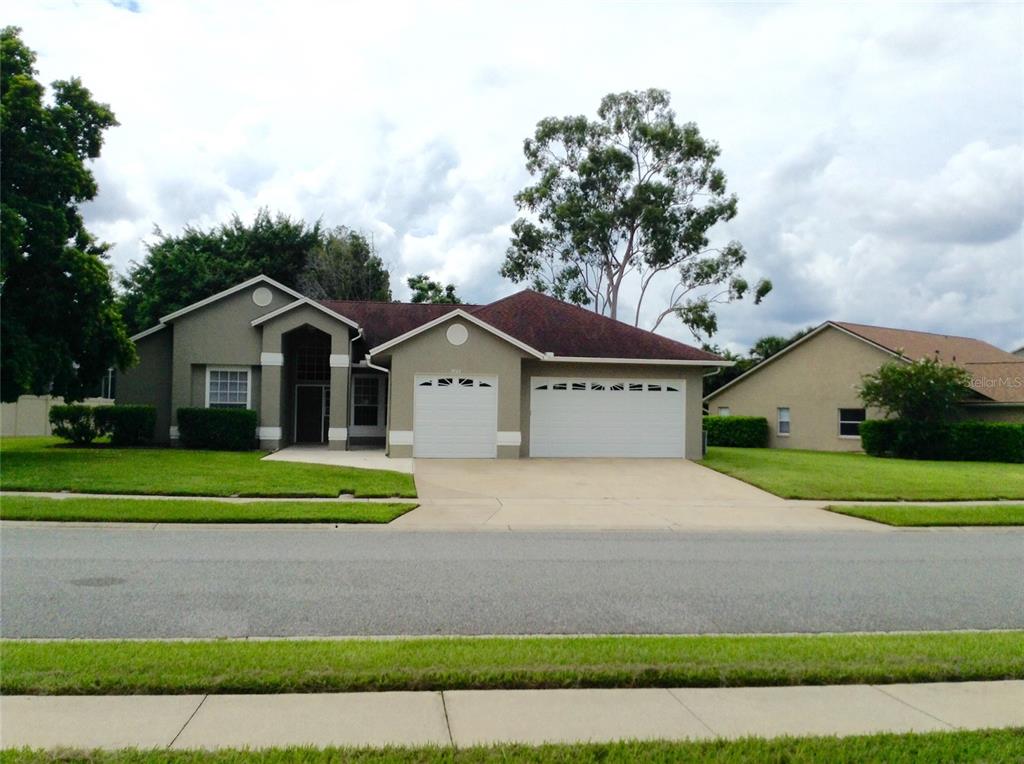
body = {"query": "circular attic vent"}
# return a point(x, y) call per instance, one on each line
point(262, 296)
point(457, 334)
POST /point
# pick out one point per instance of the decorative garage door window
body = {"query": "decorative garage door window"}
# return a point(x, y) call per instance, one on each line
point(450, 381)
point(611, 385)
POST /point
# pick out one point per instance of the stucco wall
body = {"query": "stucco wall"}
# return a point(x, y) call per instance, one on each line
point(149, 382)
point(690, 374)
point(431, 353)
point(814, 380)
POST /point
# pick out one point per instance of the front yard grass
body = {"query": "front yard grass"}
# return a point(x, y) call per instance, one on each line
point(909, 515)
point(794, 474)
point(47, 464)
point(196, 511)
point(1005, 745)
point(85, 667)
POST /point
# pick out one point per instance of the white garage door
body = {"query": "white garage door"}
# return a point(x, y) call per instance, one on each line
point(607, 417)
point(455, 417)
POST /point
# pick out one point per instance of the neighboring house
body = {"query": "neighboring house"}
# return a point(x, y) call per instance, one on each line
point(528, 375)
point(809, 391)
point(1019, 351)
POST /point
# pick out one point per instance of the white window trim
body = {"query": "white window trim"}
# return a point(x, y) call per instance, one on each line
point(778, 421)
point(727, 412)
point(842, 421)
point(248, 382)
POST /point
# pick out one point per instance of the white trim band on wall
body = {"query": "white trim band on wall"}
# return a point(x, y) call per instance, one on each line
point(268, 433)
point(509, 438)
point(174, 432)
point(400, 437)
point(339, 360)
point(271, 359)
point(337, 433)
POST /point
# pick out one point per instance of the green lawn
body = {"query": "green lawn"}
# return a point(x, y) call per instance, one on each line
point(77, 667)
point(47, 464)
point(197, 511)
point(909, 515)
point(795, 474)
point(1001, 745)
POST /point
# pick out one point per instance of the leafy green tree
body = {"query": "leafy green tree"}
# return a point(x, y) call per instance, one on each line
point(924, 391)
point(180, 270)
point(425, 289)
point(344, 266)
point(627, 198)
point(60, 329)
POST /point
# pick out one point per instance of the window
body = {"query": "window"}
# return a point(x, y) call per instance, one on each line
point(654, 388)
point(783, 428)
point(849, 422)
point(724, 411)
point(579, 385)
point(227, 388)
point(365, 400)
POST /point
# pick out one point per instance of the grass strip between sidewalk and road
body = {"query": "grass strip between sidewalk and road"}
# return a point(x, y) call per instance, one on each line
point(912, 516)
point(838, 476)
point(1005, 745)
point(196, 511)
point(46, 464)
point(87, 667)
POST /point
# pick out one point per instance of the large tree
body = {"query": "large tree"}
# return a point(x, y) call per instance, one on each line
point(629, 197)
point(59, 321)
point(179, 270)
point(344, 266)
point(425, 289)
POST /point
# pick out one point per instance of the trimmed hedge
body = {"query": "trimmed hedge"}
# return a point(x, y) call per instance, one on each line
point(968, 441)
point(74, 422)
point(127, 425)
point(737, 431)
point(220, 429)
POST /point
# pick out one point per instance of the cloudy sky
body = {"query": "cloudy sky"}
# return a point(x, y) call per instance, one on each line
point(877, 151)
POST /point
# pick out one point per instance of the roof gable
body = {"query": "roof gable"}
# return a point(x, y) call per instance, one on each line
point(230, 291)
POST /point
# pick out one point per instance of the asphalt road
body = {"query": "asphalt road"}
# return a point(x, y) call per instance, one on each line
point(92, 582)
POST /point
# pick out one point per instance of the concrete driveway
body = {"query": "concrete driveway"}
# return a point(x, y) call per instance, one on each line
point(605, 494)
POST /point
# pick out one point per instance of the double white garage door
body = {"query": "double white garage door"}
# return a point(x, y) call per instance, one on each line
point(457, 417)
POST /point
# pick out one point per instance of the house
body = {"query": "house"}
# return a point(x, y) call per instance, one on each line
point(809, 391)
point(1019, 351)
point(527, 375)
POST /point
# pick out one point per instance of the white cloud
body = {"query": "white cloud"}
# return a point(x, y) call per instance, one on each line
point(876, 150)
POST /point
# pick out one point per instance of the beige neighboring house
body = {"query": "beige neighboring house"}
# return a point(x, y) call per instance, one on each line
point(527, 375)
point(809, 391)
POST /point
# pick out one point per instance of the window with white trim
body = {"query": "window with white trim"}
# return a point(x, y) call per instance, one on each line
point(783, 420)
point(227, 389)
point(724, 411)
point(849, 422)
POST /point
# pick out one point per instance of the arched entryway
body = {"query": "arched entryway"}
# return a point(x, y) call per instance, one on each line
point(307, 353)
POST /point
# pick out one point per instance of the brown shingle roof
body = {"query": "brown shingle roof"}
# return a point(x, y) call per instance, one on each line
point(998, 375)
point(550, 325)
point(544, 323)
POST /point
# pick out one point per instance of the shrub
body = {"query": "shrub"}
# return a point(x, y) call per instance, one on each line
point(221, 429)
point(737, 431)
point(963, 441)
point(127, 425)
point(878, 436)
point(988, 442)
point(923, 391)
point(74, 422)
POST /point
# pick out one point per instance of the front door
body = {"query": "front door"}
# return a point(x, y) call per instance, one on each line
point(310, 413)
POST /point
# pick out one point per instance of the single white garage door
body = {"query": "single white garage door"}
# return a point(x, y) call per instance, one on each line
point(607, 417)
point(455, 417)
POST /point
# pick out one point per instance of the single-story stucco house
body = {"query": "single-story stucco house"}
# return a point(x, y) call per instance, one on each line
point(527, 375)
point(809, 390)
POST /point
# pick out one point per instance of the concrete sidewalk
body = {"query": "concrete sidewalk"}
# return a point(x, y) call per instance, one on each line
point(472, 717)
